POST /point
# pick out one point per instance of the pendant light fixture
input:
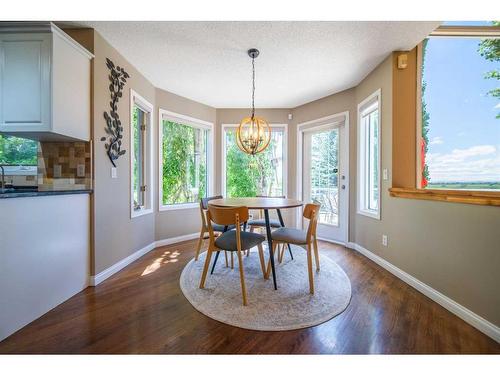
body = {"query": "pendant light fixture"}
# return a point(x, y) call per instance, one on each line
point(254, 133)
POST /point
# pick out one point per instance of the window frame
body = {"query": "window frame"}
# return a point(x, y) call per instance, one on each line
point(147, 108)
point(195, 123)
point(224, 127)
point(405, 99)
point(374, 99)
point(475, 32)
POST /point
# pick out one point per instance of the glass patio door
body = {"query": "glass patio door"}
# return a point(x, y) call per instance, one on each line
point(324, 179)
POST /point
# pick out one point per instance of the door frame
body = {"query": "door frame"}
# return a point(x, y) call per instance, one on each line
point(318, 124)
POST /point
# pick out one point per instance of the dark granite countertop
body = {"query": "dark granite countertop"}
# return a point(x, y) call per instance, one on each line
point(22, 193)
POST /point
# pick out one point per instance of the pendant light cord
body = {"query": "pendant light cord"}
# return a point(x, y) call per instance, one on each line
point(253, 88)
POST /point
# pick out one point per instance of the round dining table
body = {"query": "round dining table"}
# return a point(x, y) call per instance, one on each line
point(265, 204)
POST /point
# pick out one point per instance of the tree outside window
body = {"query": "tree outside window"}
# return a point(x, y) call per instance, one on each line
point(252, 175)
point(184, 156)
point(17, 151)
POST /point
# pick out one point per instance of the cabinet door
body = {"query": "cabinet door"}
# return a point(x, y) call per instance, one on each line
point(25, 90)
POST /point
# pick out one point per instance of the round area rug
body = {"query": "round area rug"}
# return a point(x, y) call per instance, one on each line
point(289, 307)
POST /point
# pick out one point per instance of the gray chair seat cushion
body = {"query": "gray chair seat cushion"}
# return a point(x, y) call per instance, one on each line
point(290, 235)
point(262, 223)
point(220, 228)
point(227, 241)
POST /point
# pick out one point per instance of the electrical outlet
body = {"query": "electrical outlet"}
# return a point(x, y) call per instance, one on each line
point(385, 174)
point(57, 170)
point(384, 239)
point(114, 174)
point(80, 170)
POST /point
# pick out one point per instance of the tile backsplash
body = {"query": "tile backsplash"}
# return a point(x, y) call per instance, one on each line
point(64, 165)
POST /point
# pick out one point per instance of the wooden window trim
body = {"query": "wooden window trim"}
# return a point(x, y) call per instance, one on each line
point(489, 198)
point(406, 118)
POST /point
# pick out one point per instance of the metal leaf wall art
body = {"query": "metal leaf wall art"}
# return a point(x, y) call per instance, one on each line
point(114, 129)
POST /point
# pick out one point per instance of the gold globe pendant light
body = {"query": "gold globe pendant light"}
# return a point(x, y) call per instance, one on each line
point(254, 133)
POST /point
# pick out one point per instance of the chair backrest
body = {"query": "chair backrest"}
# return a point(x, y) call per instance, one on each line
point(227, 215)
point(311, 212)
point(204, 207)
point(204, 201)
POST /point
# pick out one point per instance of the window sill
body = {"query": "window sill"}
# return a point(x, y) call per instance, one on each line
point(486, 198)
point(141, 212)
point(182, 206)
point(372, 214)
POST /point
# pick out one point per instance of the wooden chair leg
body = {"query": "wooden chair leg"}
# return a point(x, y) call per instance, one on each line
point(316, 253)
point(251, 231)
point(225, 256)
point(262, 261)
point(232, 261)
point(200, 242)
point(281, 252)
point(309, 268)
point(242, 278)
point(268, 269)
point(205, 267)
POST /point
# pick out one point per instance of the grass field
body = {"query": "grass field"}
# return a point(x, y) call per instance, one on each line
point(465, 185)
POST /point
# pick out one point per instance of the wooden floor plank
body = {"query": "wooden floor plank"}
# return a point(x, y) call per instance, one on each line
point(139, 312)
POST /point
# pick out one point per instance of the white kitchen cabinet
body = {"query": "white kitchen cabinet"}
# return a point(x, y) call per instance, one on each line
point(45, 83)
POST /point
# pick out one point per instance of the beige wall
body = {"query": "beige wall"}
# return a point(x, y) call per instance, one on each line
point(116, 235)
point(184, 221)
point(452, 247)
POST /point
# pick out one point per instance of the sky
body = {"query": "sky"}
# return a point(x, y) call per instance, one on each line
point(464, 135)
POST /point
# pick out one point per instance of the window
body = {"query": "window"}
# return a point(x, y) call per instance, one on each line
point(17, 151)
point(369, 156)
point(459, 138)
point(185, 160)
point(140, 151)
point(245, 175)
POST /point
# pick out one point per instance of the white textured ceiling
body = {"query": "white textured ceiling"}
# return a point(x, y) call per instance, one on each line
point(299, 61)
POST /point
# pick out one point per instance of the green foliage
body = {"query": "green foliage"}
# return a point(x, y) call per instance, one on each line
point(18, 151)
point(490, 50)
point(184, 163)
point(425, 115)
point(324, 156)
point(137, 177)
point(251, 175)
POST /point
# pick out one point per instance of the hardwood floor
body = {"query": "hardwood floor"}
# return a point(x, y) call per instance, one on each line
point(142, 310)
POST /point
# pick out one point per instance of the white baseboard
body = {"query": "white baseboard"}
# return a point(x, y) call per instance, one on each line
point(333, 241)
point(462, 312)
point(169, 241)
point(110, 271)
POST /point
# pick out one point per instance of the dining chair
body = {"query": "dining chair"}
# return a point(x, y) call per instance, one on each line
point(233, 240)
point(204, 227)
point(305, 239)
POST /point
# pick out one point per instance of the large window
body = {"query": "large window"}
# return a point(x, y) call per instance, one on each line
point(369, 156)
point(262, 174)
point(459, 147)
point(185, 160)
point(140, 160)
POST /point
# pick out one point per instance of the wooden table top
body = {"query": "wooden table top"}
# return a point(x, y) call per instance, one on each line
point(257, 203)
